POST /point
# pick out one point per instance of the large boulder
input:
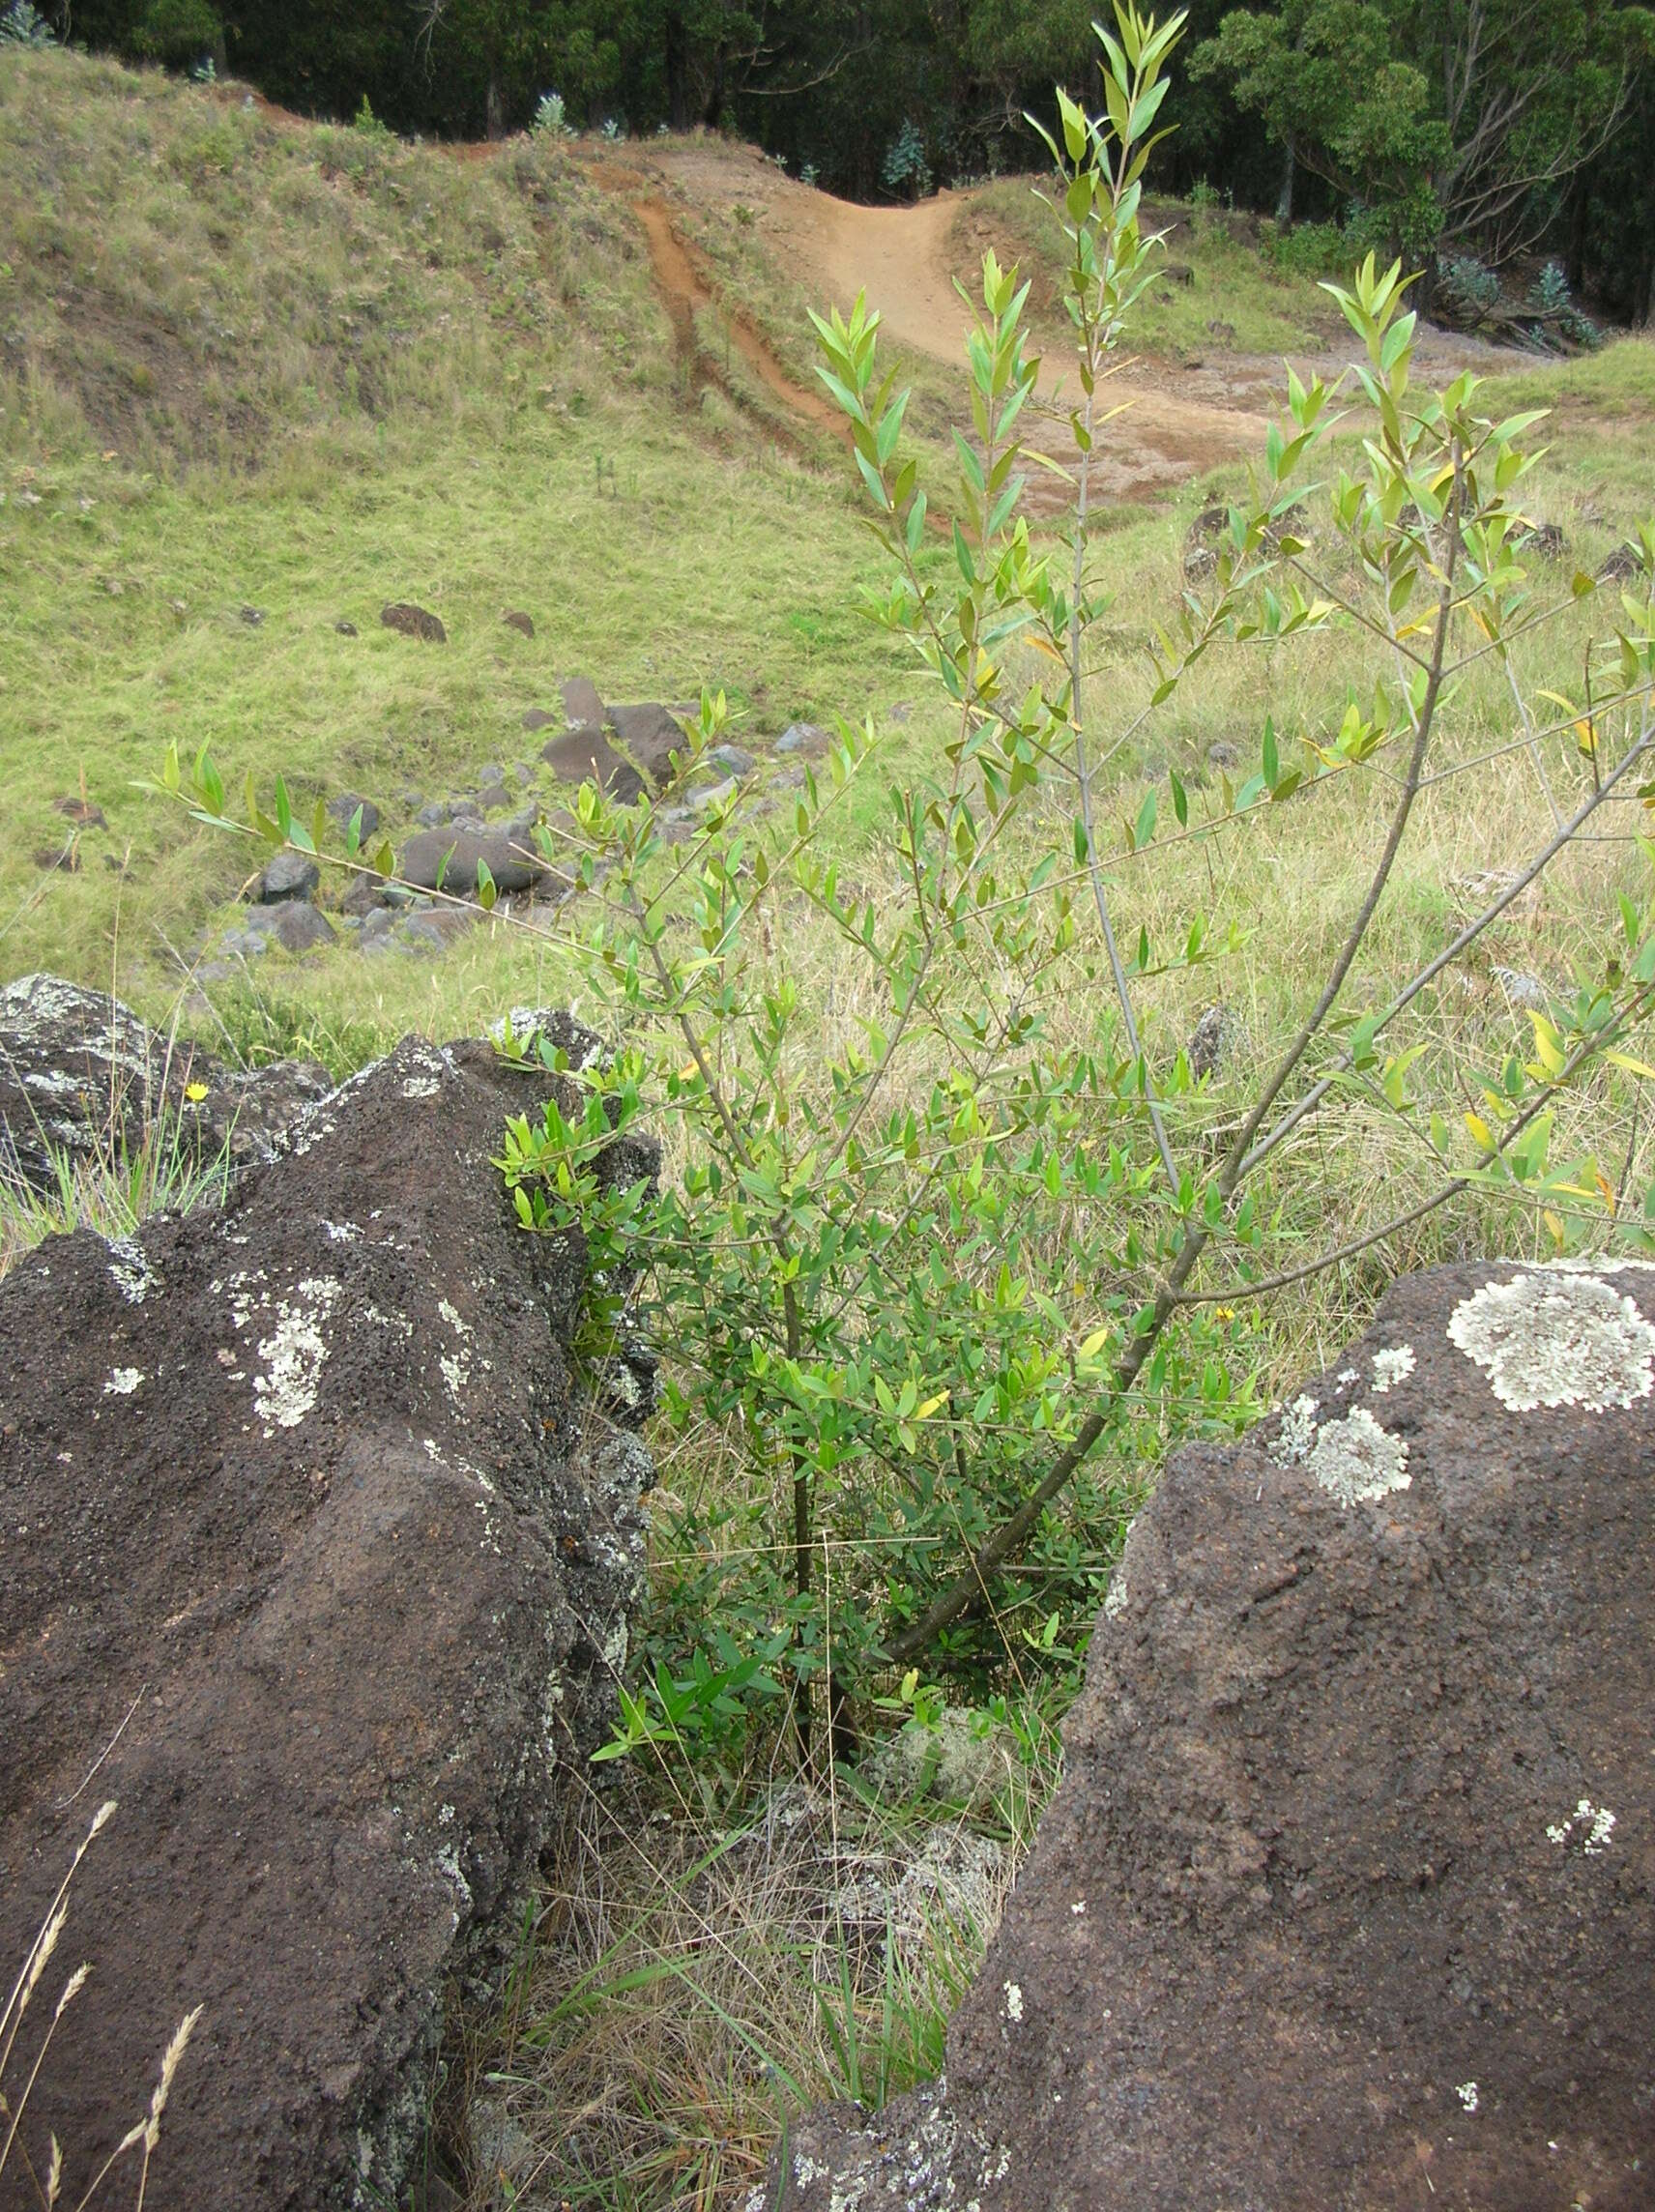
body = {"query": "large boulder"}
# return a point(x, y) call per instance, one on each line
point(317, 1551)
point(1347, 1900)
point(84, 1079)
point(447, 859)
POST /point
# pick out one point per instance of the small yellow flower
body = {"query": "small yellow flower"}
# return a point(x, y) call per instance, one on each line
point(1223, 1313)
point(195, 1093)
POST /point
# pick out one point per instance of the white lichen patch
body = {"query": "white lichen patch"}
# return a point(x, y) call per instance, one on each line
point(455, 1365)
point(1013, 2001)
point(420, 1087)
point(294, 1353)
point(1116, 1596)
point(1353, 1459)
point(123, 1381)
point(341, 1231)
point(134, 1278)
point(1298, 1431)
point(1393, 1366)
point(1558, 1339)
point(1345, 1376)
point(1595, 1826)
point(1467, 2092)
point(1357, 1461)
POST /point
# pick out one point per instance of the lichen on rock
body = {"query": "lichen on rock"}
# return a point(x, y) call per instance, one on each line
point(1558, 1339)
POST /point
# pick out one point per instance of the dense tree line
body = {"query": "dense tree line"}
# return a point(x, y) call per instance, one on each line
point(1442, 128)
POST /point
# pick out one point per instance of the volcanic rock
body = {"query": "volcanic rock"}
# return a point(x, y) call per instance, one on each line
point(82, 1077)
point(582, 709)
point(287, 875)
point(585, 755)
point(1349, 1883)
point(342, 810)
point(414, 622)
point(515, 619)
point(447, 859)
point(647, 736)
point(316, 1549)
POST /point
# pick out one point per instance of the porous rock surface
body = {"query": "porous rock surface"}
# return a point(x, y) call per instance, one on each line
point(82, 1077)
point(304, 1493)
point(1347, 1900)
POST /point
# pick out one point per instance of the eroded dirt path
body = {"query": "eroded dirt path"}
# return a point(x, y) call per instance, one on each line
point(1177, 421)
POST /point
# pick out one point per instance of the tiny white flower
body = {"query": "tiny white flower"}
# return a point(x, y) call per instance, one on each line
point(1467, 2092)
point(1013, 2001)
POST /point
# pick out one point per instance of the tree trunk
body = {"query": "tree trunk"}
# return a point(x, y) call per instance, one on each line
point(715, 97)
point(1284, 198)
point(1579, 208)
point(495, 109)
point(677, 69)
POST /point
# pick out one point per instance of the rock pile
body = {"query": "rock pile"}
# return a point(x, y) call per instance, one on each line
point(1346, 1900)
point(84, 1079)
point(315, 1547)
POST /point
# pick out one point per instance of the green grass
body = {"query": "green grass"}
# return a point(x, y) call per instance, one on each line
point(1259, 308)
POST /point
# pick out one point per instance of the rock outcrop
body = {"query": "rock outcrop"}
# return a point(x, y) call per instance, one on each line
point(1346, 1900)
point(82, 1078)
point(315, 1547)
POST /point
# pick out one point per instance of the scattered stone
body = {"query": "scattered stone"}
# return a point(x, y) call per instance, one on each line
point(586, 756)
point(343, 808)
point(82, 1076)
point(491, 773)
point(253, 617)
point(582, 709)
point(537, 719)
point(1623, 566)
point(435, 928)
point(1218, 1037)
point(1177, 273)
point(1222, 330)
point(286, 874)
point(318, 1549)
point(414, 622)
point(731, 760)
point(1547, 541)
point(524, 773)
point(81, 812)
point(807, 739)
point(515, 619)
point(1223, 755)
point(445, 859)
point(346, 628)
point(64, 857)
point(647, 736)
point(413, 801)
point(1349, 1864)
point(707, 796)
point(434, 813)
point(295, 925)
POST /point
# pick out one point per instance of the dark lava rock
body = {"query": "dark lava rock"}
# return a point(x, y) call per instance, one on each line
point(343, 809)
point(538, 719)
point(81, 812)
point(81, 1075)
point(515, 619)
point(346, 628)
point(414, 622)
point(582, 709)
point(287, 875)
point(1547, 541)
point(730, 760)
point(648, 735)
point(586, 756)
point(331, 1559)
point(1622, 565)
point(807, 738)
point(366, 892)
point(64, 857)
point(452, 853)
point(1349, 1883)
point(295, 925)
point(253, 617)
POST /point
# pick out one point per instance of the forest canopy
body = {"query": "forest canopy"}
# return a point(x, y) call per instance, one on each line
point(1448, 129)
